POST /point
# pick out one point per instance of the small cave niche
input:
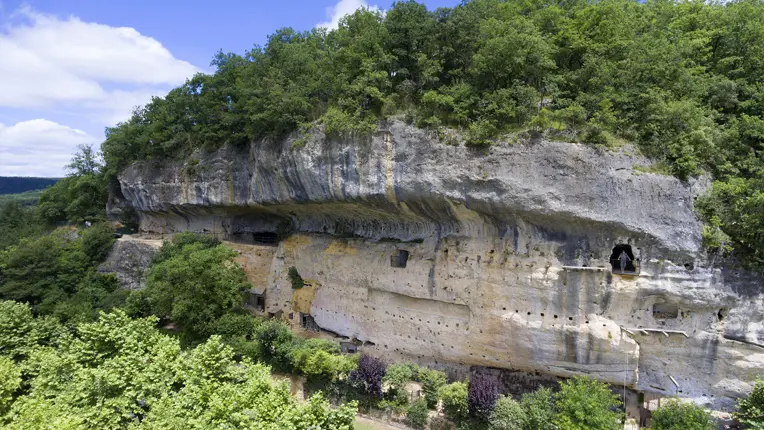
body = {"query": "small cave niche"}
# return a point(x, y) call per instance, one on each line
point(348, 347)
point(399, 258)
point(308, 323)
point(721, 314)
point(265, 238)
point(622, 260)
point(664, 311)
point(255, 299)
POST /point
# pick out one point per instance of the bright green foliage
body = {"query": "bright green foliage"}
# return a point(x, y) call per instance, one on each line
point(750, 410)
point(10, 380)
point(79, 197)
point(18, 222)
point(583, 403)
point(196, 286)
point(295, 278)
point(454, 398)
point(677, 415)
point(538, 408)
point(418, 414)
point(507, 415)
point(320, 358)
point(679, 79)
point(396, 377)
point(432, 380)
point(120, 373)
point(179, 241)
point(57, 272)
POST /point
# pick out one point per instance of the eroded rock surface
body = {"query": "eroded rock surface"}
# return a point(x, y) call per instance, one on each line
point(128, 260)
point(507, 254)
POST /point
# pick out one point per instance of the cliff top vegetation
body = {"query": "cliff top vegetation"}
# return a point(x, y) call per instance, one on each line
point(680, 79)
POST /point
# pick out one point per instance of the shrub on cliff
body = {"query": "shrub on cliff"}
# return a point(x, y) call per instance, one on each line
point(295, 278)
point(584, 404)
point(482, 396)
point(750, 410)
point(396, 378)
point(678, 415)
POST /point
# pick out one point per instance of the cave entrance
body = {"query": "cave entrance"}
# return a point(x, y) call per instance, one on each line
point(308, 323)
point(348, 347)
point(265, 238)
point(399, 258)
point(255, 299)
point(622, 260)
point(665, 310)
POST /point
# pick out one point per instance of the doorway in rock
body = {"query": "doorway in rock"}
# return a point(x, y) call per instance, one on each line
point(399, 258)
point(622, 260)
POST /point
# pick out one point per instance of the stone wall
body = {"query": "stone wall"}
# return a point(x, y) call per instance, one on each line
point(508, 255)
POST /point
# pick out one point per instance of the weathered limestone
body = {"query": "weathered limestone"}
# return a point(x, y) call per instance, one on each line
point(509, 254)
point(129, 259)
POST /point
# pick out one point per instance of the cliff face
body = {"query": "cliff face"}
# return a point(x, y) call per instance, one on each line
point(498, 257)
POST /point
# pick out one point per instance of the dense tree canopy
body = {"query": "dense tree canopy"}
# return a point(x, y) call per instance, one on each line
point(681, 79)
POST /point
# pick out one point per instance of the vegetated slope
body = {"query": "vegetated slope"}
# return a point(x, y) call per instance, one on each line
point(20, 184)
point(26, 198)
point(680, 79)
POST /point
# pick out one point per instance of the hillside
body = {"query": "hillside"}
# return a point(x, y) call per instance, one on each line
point(20, 184)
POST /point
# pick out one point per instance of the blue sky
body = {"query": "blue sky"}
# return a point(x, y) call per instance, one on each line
point(70, 68)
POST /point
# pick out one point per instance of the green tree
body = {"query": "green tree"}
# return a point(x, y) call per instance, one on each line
point(507, 415)
point(539, 409)
point(583, 403)
point(418, 414)
point(454, 398)
point(750, 410)
point(196, 287)
point(432, 380)
point(678, 415)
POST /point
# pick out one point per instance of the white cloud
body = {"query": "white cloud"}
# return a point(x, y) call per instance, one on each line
point(342, 8)
point(47, 60)
point(39, 147)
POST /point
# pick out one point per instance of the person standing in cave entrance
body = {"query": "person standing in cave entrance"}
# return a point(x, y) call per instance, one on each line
point(624, 259)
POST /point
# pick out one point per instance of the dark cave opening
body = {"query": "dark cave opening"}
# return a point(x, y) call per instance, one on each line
point(623, 263)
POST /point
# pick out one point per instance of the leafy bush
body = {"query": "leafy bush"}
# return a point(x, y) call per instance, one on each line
point(508, 415)
point(295, 278)
point(583, 403)
point(678, 415)
point(538, 408)
point(454, 398)
point(482, 396)
point(179, 241)
point(195, 287)
point(396, 378)
point(418, 414)
point(432, 380)
point(108, 373)
point(750, 410)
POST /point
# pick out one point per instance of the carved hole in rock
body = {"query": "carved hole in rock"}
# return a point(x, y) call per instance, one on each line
point(348, 347)
point(689, 266)
point(307, 322)
point(256, 299)
point(622, 260)
point(721, 314)
point(399, 258)
point(665, 310)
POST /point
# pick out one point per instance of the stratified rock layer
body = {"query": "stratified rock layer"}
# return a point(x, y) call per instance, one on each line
point(508, 260)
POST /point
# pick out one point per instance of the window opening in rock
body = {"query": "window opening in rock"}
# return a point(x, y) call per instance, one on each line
point(721, 314)
point(255, 299)
point(622, 260)
point(665, 310)
point(265, 238)
point(348, 347)
point(399, 258)
point(308, 323)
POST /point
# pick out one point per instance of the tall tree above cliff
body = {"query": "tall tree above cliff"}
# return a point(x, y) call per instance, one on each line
point(679, 79)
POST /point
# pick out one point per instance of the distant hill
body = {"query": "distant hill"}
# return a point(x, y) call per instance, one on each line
point(18, 184)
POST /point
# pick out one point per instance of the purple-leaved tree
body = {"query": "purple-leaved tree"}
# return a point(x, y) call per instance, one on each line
point(482, 395)
point(369, 375)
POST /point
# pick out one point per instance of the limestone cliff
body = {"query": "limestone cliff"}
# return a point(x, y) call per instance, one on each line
point(496, 257)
